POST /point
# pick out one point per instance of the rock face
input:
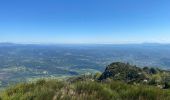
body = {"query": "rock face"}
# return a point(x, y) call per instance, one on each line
point(124, 72)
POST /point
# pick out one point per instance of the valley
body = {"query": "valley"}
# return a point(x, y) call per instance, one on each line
point(29, 62)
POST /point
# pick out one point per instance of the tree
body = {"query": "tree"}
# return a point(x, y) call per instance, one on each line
point(153, 71)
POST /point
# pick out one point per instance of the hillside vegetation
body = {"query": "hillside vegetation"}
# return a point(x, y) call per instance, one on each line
point(135, 75)
point(119, 81)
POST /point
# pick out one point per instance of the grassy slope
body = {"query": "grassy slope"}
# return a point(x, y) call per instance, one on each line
point(83, 90)
point(88, 87)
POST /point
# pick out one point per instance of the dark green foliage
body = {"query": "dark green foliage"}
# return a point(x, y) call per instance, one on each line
point(167, 85)
point(122, 71)
point(153, 71)
point(132, 74)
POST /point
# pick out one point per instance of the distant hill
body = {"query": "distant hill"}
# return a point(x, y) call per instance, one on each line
point(6, 44)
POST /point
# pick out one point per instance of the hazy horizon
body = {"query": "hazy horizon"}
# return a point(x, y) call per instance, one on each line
point(36, 43)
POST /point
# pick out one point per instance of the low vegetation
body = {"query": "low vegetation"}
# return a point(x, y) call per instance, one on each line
point(84, 90)
point(115, 83)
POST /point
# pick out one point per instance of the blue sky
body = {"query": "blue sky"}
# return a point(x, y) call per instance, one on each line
point(85, 21)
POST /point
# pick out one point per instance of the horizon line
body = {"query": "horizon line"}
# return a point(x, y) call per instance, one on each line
point(39, 43)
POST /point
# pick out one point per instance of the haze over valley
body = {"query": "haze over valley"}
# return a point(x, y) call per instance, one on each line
point(28, 62)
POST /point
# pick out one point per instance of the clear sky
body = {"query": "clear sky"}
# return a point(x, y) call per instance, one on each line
point(85, 21)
